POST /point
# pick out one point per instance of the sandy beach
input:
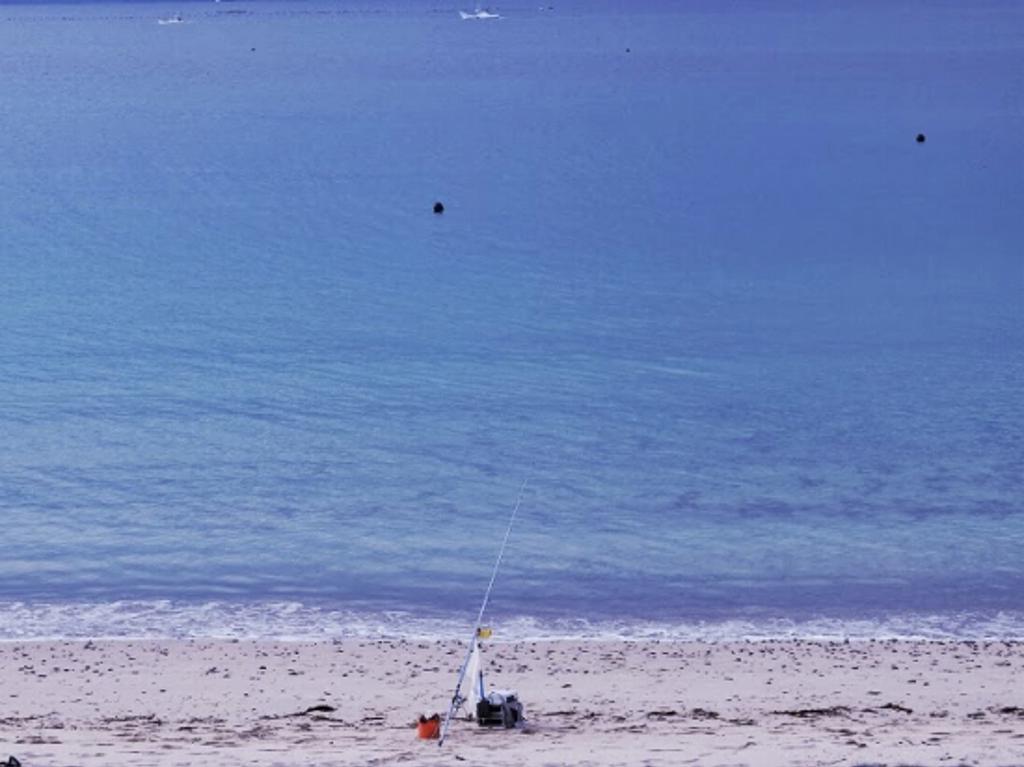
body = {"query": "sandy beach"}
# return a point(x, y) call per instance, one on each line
point(587, 703)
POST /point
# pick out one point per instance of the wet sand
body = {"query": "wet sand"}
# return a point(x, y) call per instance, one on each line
point(587, 703)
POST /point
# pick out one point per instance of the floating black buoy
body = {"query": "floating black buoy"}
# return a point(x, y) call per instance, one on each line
point(628, 50)
point(252, 50)
point(438, 207)
point(920, 138)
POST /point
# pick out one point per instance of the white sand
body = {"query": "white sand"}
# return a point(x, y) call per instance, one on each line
point(588, 703)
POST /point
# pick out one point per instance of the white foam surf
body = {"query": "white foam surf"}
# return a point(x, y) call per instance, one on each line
point(294, 621)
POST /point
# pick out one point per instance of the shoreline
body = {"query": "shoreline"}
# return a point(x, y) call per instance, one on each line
point(297, 621)
point(771, 702)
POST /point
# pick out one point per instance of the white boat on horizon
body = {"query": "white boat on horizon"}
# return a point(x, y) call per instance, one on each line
point(171, 20)
point(478, 14)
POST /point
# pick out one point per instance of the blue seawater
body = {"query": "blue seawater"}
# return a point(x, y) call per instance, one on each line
point(758, 353)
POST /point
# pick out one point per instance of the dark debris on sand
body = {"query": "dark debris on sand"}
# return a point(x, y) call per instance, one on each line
point(811, 712)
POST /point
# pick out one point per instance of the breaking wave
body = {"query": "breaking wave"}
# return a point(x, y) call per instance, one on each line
point(295, 621)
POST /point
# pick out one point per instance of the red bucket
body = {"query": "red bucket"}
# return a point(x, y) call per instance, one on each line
point(429, 729)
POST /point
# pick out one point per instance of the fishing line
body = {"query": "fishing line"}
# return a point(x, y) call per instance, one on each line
point(501, 553)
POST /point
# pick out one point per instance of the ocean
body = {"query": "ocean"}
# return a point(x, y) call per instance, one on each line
point(756, 350)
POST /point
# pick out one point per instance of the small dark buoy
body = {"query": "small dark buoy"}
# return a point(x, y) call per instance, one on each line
point(438, 207)
point(920, 138)
point(628, 50)
point(253, 50)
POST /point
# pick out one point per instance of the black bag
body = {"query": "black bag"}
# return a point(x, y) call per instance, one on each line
point(499, 710)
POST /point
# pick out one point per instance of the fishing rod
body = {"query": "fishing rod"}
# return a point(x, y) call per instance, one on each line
point(457, 699)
